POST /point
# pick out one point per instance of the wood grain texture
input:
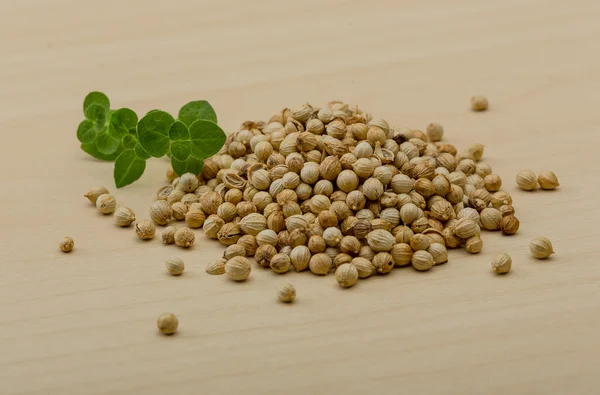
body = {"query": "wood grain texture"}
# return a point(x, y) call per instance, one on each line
point(84, 323)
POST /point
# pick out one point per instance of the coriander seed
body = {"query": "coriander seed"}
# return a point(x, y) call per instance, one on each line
point(175, 266)
point(383, 263)
point(346, 275)
point(419, 242)
point(238, 268)
point(501, 263)
point(509, 225)
point(145, 229)
point(435, 131)
point(320, 264)
point(184, 237)
point(280, 263)
point(300, 257)
point(167, 323)
point(422, 260)
point(479, 103)
point(541, 248)
point(492, 182)
point(195, 218)
point(491, 218)
point(401, 254)
point(161, 212)
point(106, 203)
point(474, 245)
point(316, 244)
point(216, 267)
point(168, 235)
point(66, 244)
point(548, 180)
point(94, 193)
point(286, 293)
point(439, 253)
point(264, 254)
point(526, 180)
point(363, 266)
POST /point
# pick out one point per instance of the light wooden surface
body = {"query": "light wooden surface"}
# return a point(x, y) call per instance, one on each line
point(84, 323)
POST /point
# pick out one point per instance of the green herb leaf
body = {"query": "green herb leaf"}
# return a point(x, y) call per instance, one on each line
point(129, 141)
point(86, 132)
point(106, 144)
point(91, 149)
point(97, 98)
point(191, 165)
point(122, 122)
point(195, 110)
point(207, 139)
point(128, 168)
point(139, 151)
point(179, 132)
point(96, 114)
point(180, 150)
point(153, 132)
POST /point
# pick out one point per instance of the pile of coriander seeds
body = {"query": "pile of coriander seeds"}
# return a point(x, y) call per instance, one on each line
point(333, 189)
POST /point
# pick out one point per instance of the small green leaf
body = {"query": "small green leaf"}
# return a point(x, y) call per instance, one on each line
point(179, 132)
point(129, 141)
point(153, 132)
point(91, 149)
point(207, 139)
point(97, 98)
point(180, 150)
point(96, 114)
point(122, 122)
point(128, 168)
point(139, 151)
point(191, 165)
point(86, 132)
point(195, 110)
point(106, 144)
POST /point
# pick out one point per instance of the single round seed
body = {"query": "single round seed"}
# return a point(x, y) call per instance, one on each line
point(184, 237)
point(479, 103)
point(501, 263)
point(422, 260)
point(548, 180)
point(94, 193)
point(541, 248)
point(175, 266)
point(238, 268)
point(509, 225)
point(286, 293)
point(168, 235)
point(106, 204)
point(346, 275)
point(526, 180)
point(145, 230)
point(167, 323)
point(66, 244)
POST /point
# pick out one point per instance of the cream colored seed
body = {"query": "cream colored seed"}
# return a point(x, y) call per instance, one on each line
point(238, 268)
point(491, 218)
point(380, 240)
point(346, 275)
point(286, 293)
point(474, 245)
point(435, 131)
point(439, 253)
point(541, 248)
point(168, 235)
point(167, 323)
point(145, 230)
point(548, 180)
point(106, 204)
point(184, 237)
point(501, 263)
point(526, 180)
point(422, 260)
point(175, 266)
point(280, 263)
point(479, 103)
point(94, 193)
point(466, 228)
point(363, 266)
point(300, 257)
point(216, 267)
point(161, 212)
point(320, 264)
point(66, 244)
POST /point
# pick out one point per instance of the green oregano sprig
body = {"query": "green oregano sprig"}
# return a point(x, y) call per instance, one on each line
point(117, 135)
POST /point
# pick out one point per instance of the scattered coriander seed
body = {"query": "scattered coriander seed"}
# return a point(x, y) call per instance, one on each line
point(280, 263)
point(419, 242)
point(264, 254)
point(249, 243)
point(145, 229)
point(184, 237)
point(548, 180)
point(474, 245)
point(401, 254)
point(94, 193)
point(506, 210)
point(526, 180)
point(435, 131)
point(320, 264)
point(346, 275)
point(479, 103)
point(541, 248)
point(492, 182)
point(179, 210)
point(286, 293)
point(380, 240)
point(439, 253)
point(501, 263)
point(167, 323)
point(383, 263)
point(175, 266)
point(216, 267)
point(466, 228)
point(300, 257)
point(161, 212)
point(106, 204)
point(168, 235)
point(124, 216)
point(66, 244)
point(195, 218)
point(509, 225)
point(363, 266)
point(238, 268)
point(422, 260)
point(490, 218)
